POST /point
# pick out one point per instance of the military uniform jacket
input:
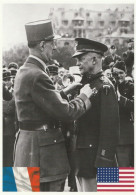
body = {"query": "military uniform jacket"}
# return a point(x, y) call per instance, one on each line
point(37, 102)
point(126, 111)
point(108, 59)
point(98, 129)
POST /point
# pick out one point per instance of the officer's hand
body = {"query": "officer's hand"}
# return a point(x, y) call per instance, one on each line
point(72, 87)
point(88, 91)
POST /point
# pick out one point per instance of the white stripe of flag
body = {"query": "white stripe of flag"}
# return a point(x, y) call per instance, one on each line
point(22, 179)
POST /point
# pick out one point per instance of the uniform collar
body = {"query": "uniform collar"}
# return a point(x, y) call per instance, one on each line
point(38, 62)
point(91, 77)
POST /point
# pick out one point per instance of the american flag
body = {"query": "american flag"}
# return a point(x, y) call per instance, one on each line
point(115, 179)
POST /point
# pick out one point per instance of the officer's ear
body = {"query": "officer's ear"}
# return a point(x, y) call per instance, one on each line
point(42, 45)
point(94, 60)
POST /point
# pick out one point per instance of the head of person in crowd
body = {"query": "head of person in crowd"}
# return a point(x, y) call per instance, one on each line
point(130, 44)
point(119, 71)
point(68, 79)
point(7, 77)
point(53, 69)
point(61, 71)
point(89, 55)
point(41, 39)
point(108, 73)
point(113, 50)
point(13, 67)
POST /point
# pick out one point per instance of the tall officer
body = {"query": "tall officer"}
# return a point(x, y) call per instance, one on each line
point(40, 106)
point(98, 128)
point(125, 149)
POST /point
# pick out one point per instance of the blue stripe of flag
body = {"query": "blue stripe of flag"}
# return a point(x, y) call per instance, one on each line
point(9, 184)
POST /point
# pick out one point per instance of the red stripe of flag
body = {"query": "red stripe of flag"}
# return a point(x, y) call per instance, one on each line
point(126, 172)
point(126, 177)
point(34, 175)
point(126, 181)
point(115, 190)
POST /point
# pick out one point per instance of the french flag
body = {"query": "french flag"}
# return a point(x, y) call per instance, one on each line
point(21, 179)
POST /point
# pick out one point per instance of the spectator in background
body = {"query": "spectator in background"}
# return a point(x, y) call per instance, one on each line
point(110, 60)
point(125, 92)
point(9, 126)
point(128, 57)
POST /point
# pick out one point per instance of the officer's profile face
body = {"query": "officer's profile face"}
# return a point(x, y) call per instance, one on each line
point(120, 75)
point(48, 48)
point(85, 63)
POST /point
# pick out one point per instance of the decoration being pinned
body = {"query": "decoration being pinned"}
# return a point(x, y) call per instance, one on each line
point(106, 89)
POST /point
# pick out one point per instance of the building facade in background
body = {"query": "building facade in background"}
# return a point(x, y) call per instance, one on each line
point(109, 26)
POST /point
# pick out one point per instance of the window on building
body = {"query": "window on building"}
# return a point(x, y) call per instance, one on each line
point(65, 22)
point(113, 23)
point(99, 14)
point(89, 23)
point(87, 14)
point(80, 23)
point(101, 23)
point(75, 33)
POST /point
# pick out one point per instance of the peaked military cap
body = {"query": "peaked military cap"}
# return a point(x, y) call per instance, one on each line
point(86, 45)
point(13, 72)
point(40, 30)
point(13, 65)
point(6, 74)
point(120, 65)
point(53, 69)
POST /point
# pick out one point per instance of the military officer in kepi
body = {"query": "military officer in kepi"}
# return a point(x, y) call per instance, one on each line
point(39, 106)
point(125, 91)
point(98, 128)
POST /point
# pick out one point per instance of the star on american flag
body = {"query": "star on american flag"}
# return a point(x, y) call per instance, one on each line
point(115, 179)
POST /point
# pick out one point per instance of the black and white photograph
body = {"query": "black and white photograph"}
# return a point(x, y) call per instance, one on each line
point(67, 96)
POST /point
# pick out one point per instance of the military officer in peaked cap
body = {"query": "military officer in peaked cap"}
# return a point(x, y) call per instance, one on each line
point(40, 143)
point(98, 128)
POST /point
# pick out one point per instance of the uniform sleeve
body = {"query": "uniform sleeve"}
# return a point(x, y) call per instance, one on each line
point(109, 128)
point(126, 103)
point(50, 100)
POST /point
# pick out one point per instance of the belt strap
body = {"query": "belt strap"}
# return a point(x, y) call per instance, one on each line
point(32, 126)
